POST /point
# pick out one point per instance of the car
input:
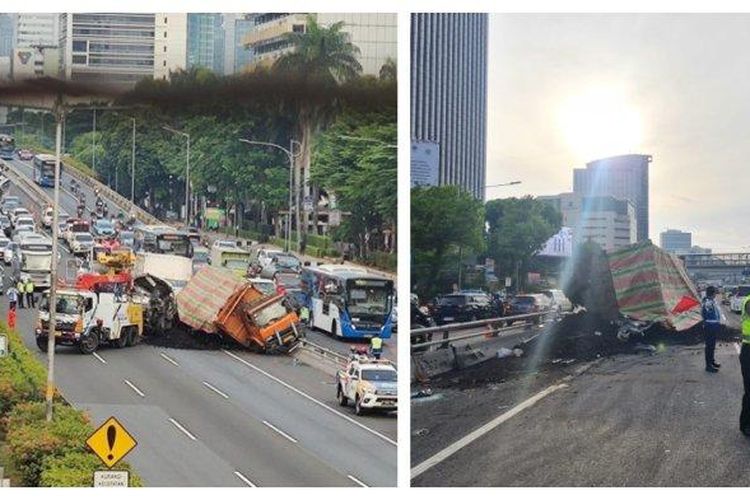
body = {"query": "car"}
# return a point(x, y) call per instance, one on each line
point(103, 228)
point(81, 243)
point(18, 212)
point(126, 238)
point(200, 257)
point(11, 249)
point(4, 242)
point(264, 286)
point(224, 244)
point(25, 154)
point(263, 256)
point(5, 224)
point(462, 306)
point(369, 384)
point(735, 303)
point(48, 215)
point(558, 300)
point(281, 262)
point(529, 304)
point(9, 203)
point(290, 283)
point(194, 234)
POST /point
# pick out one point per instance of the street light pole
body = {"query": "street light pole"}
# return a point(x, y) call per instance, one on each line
point(132, 169)
point(187, 172)
point(93, 144)
point(50, 392)
point(290, 154)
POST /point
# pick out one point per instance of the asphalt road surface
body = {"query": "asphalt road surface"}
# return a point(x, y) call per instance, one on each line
point(223, 418)
point(629, 420)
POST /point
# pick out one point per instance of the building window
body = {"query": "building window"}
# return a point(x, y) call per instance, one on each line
point(298, 28)
point(165, 48)
point(165, 20)
point(164, 64)
point(79, 45)
point(79, 59)
point(165, 34)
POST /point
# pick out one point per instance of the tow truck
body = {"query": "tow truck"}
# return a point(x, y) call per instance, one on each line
point(371, 384)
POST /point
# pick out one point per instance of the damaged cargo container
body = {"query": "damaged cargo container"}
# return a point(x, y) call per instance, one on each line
point(216, 300)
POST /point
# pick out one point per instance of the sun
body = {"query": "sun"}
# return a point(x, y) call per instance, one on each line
point(600, 122)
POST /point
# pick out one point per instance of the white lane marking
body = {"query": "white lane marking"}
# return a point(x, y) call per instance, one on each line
point(217, 391)
point(476, 434)
point(245, 480)
point(284, 434)
point(357, 481)
point(137, 390)
point(187, 432)
point(310, 398)
point(169, 359)
point(99, 357)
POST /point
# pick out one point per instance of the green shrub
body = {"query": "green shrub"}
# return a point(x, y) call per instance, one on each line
point(31, 438)
point(76, 469)
point(22, 375)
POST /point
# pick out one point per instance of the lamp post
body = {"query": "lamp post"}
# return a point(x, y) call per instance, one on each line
point(132, 163)
point(290, 154)
point(187, 172)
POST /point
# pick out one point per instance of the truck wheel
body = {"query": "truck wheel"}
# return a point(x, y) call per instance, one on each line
point(89, 343)
point(358, 410)
point(123, 340)
point(343, 400)
point(132, 336)
point(41, 343)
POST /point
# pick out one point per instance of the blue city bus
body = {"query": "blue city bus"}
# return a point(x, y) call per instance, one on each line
point(7, 147)
point(347, 301)
point(44, 170)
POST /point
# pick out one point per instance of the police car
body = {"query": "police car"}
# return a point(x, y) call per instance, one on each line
point(369, 384)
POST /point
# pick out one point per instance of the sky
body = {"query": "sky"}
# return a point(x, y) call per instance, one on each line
point(564, 89)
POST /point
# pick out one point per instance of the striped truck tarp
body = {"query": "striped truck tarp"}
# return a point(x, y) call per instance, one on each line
point(199, 303)
point(649, 283)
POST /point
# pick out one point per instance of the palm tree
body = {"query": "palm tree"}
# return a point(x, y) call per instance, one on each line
point(320, 55)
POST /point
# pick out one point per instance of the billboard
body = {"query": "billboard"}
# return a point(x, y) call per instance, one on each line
point(425, 163)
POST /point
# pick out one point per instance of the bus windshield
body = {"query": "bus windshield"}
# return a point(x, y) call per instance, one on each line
point(369, 296)
point(174, 245)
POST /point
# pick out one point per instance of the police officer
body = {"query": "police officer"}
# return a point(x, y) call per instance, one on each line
point(30, 302)
point(12, 294)
point(376, 346)
point(745, 367)
point(711, 326)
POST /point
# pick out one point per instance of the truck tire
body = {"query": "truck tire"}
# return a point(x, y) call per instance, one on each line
point(89, 343)
point(132, 336)
point(123, 340)
point(343, 400)
point(41, 343)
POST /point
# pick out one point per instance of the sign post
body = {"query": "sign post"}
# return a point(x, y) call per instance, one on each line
point(3, 346)
point(111, 442)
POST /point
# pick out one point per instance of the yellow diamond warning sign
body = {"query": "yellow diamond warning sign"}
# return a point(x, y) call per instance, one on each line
point(111, 442)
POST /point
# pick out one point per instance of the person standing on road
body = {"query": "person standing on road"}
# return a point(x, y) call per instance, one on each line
point(21, 287)
point(745, 367)
point(30, 302)
point(376, 347)
point(11, 318)
point(12, 294)
point(711, 313)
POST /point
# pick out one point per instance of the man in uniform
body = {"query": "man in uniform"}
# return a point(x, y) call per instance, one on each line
point(711, 326)
point(745, 367)
point(376, 347)
point(30, 302)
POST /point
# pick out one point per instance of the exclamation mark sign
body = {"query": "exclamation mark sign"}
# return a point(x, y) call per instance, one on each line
point(111, 437)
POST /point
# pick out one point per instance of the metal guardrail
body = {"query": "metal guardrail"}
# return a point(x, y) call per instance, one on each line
point(113, 195)
point(321, 351)
point(452, 331)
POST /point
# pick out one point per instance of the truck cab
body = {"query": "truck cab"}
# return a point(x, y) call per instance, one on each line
point(370, 384)
point(89, 319)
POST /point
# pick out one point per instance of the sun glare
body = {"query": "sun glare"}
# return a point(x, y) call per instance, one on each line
point(600, 122)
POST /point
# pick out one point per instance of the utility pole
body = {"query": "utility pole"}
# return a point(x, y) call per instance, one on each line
point(93, 144)
point(132, 169)
point(59, 114)
point(187, 172)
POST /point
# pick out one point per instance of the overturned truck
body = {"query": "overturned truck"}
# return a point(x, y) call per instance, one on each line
point(216, 301)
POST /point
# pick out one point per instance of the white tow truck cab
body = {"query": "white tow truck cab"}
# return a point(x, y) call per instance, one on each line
point(89, 319)
point(371, 384)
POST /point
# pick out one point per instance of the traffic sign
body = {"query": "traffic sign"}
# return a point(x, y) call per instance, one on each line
point(111, 479)
point(111, 442)
point(3, 346)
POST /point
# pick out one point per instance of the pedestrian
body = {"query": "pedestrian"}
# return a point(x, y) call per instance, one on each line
point(12, 318)
point(745, 367)
point(30, 301)
point(376, 346)
point(304, 315)
point(12, 294)
point(711, 313)
point(20, 286)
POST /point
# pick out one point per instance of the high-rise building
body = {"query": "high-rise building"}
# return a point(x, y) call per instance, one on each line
point(375, 34)
point(243, 55)
point(7, 35)
point(110, 49)
point(624, 177)
point(170, 44)
point(449, 95)
point(676, 241)
point(605, 220)
point(35, 29)
point(205, 42)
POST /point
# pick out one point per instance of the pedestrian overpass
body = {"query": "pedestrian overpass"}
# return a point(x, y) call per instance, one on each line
point(728, 266)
